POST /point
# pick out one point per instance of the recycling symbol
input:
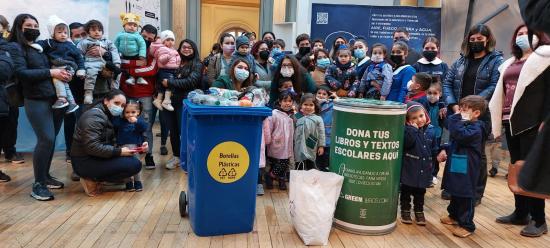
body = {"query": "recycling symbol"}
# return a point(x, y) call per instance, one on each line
point(232, 172)
point(223, 173)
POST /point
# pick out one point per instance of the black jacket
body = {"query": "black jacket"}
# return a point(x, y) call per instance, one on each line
point(187, 79)
point(94, 135)
point(535, 174)
point(6, 74)
point(32, 69)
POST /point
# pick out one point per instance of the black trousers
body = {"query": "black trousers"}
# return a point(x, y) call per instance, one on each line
point(173, 121)
point(69, 127)
point(305, 165)
point(462, 210)
point(323, 161)
point(519, 146)
point(106, 169)
point(482, 181)
point(418, 198)
point(8, 132)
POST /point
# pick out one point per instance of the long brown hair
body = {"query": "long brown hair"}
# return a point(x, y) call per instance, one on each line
point(297, 77)
point(251, 77)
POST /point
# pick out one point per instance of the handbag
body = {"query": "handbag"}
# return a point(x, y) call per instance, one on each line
point(513, 173)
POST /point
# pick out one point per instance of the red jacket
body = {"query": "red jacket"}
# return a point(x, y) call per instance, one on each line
point(149, 73)
point(415, 97)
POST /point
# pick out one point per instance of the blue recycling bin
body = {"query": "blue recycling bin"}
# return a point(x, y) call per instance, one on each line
point(221, 153)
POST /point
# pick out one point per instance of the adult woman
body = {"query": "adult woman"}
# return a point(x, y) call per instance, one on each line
point(337, 43)
point(430, 63)
point(33, 72)
point(218, 64)
point(322, 62)
point(239, 76)
point(269, 37)
point(94, 155)
point(474, 73)
point(187, 79)
point(520, 104)
point(301, 79)
point(402, 72)
point(260, 51)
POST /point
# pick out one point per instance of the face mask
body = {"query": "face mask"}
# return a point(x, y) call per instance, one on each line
point(76, 41)
point(323, 63)
point(31, 34)
point(228, 48)
point(321, 100)
point(397, 59)
point(115, 110)
point(304, 50)
point(187, 57)
point(377, 58)
point(275, 50)
point(429, 55)
point(359, 53)
point(523, 42)
point(264, 55)
point(241, 74)
point(287, 72)
point(402, 39)
point(432, 98)
point(269, 43)
point(466, 116)
point(409, 85)
point(477, 46)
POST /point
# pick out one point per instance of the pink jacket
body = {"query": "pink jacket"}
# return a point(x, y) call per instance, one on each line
point(278, 132)
point(167, 58)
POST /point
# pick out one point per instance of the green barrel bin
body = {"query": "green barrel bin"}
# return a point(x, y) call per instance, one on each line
point(366, 148)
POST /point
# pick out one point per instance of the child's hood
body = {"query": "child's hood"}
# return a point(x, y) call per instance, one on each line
point(412, 104)
point(54, 21)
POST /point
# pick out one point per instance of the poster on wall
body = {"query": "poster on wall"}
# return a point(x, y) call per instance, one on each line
point(375, 23)
point(148, 10)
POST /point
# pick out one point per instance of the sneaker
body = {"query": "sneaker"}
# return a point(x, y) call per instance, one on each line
point(532, 230)
point(168, 106)
point(149, 162)
point(138, 186)
point(130, 187)
point(419, 218)
point(512, 219)
point(172, 163)
point(447, 220)
point(461, 232)
point(68, 159)
point(268, 181)
point(130, 80)
point(71, 108)
point(260, 189)
point(445, 195)
point(163, 150)
point(75, 177)
point(4, 178)
point(406, 217)
point(53, 183)
point(493, 172)
point(142, 81)
point(88, 99)
point(158, 103)
point(60, 103)
point(41, 192)
point(17, 158)
point(282, 184)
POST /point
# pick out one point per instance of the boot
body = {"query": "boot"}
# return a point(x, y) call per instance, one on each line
point(282, 183)
point(158, 101)
point(406, 217)
point(419, 218)
point(167, 102)
point(268, 181)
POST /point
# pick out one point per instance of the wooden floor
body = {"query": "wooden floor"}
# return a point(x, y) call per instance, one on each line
point(151, 218)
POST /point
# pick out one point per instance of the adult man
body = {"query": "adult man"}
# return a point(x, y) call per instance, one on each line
point(401, 34)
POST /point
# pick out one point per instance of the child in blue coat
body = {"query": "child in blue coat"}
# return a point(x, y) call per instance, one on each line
point(402, 72)
point(462, 169)
point(326, 105)
point(416, 172)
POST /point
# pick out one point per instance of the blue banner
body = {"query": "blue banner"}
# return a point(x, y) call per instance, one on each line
point(375, 23)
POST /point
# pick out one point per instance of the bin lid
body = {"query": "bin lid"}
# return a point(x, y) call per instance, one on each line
point(369, 103)
point(195, 109)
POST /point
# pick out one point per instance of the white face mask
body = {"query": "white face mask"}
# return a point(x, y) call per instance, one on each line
point(466, 116)
point(409, 85)
point(287, 72)
point(377, 58)
point(523, 42)
point(433, 98)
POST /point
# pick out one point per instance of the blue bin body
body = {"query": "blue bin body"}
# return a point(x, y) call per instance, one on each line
point(217, 208)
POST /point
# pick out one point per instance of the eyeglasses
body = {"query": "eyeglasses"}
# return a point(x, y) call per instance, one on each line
point(186, 48)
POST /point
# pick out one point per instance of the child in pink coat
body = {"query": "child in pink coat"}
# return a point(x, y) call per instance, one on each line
point(279, 135)
point(168, 61)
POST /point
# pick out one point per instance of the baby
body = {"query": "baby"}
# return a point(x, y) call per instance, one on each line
point(130, 44)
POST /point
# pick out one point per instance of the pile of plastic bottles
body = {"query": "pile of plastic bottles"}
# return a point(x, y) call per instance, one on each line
point(249, 97)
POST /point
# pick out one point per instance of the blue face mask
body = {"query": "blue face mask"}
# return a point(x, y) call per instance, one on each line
point(76, 41)
point(275, 50)
point(323, 63)
point(241, 74)
point(359, 53)
point(115, 110)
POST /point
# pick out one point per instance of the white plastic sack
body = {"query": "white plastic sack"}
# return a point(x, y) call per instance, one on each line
point(313, 196)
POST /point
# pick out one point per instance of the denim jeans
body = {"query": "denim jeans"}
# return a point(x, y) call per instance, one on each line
point(70, 124)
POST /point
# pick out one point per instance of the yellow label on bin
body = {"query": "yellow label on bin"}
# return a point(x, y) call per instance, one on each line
point(228, 162)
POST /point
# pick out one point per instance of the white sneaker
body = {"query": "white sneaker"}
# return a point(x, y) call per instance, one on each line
point(131, 81)
point(158, 103)
point(172, 163)
point(88, 99)
point(435, 181)
point(260, 189)
point(167, 105)
point(142, 81)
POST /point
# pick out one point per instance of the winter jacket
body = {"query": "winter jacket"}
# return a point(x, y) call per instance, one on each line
point(308, 86)
point(59, 52)
point(326, 115)
point(279, 135)
point(224, 82)
point(340, 78)
point(88, 43)
point(129, 133)
point(131, 44)
point(398, 89)
point(531, 104)
point(433, 112)
point(535, 174)
point(412, 56)
point(94, 135)
point(215, 67)
point(362, 66)
point(463, 156)
point(265, 76)
point(419, 149)
point(309, 135)
point(486, 80)
point(167, 58)
point(436, 68)
point(382, 73)
point(6, 75)
point(32, 70)
point(188, 78)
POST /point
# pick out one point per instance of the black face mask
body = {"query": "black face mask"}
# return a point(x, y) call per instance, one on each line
point(397, 59)
point(147, 44)
point(477, 46)
point(264, 55)
point(269, 43)
point(429, 55)
point(403, 39)
point(304, 50)
point(31, 34)
point(187, 57)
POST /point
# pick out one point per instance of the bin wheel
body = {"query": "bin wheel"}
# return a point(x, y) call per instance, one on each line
point(183, 204)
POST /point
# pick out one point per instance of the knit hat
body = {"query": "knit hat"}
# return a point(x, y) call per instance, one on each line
point(167, 34)
point(129, 18)
point(413, 104)
point(53, 21)
point(241, 40)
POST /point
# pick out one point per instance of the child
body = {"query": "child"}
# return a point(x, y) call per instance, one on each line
point(416, 173)
point(130, 43)
point(462, 169)
point(342, 77)
point(279, 132)
point(402, 72)
point(429, 62)
point(433, 103)
point(377, 78)
point(417, 87)
point(63, 54)
point(277, 54)
point(242, 51)
point(279, 44)
point(130, 131)
point(326, 106)
point(168, 60)
point(309, 134)
point(94, 65)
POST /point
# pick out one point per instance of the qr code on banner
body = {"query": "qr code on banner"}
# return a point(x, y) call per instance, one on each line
point(322, 18)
